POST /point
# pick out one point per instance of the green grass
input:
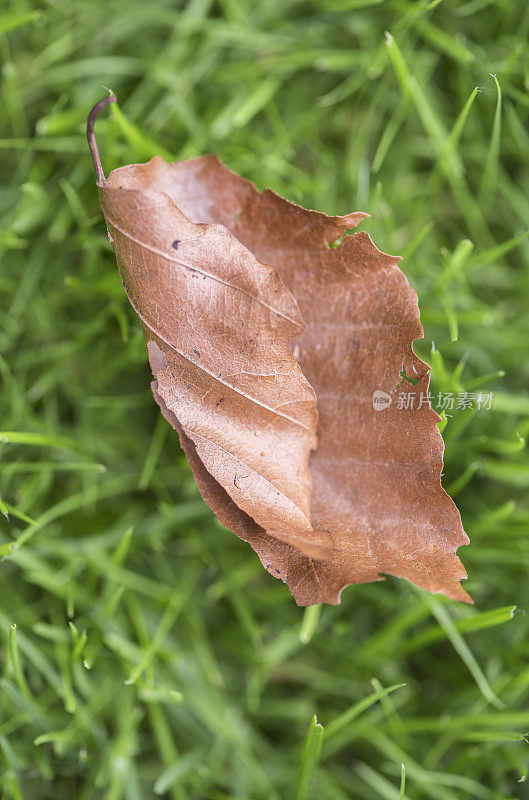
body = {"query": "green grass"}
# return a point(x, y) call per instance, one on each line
point(145, 652)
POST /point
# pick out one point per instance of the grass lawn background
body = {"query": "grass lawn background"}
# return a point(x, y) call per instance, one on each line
point(145, 652)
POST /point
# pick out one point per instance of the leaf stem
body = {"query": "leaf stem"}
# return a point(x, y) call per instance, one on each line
point(90, 135)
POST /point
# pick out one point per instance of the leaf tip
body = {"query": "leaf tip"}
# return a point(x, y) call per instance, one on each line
point(90, 134)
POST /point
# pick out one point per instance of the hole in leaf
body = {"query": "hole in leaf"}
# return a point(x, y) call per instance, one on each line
point(337, 242)
point(406, 377)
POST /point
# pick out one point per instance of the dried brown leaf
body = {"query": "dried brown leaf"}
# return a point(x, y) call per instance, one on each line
point(282, 436)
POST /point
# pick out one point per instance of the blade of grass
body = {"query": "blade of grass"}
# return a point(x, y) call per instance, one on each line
point(463, 650)
point(309, 759)
point(490, 173)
